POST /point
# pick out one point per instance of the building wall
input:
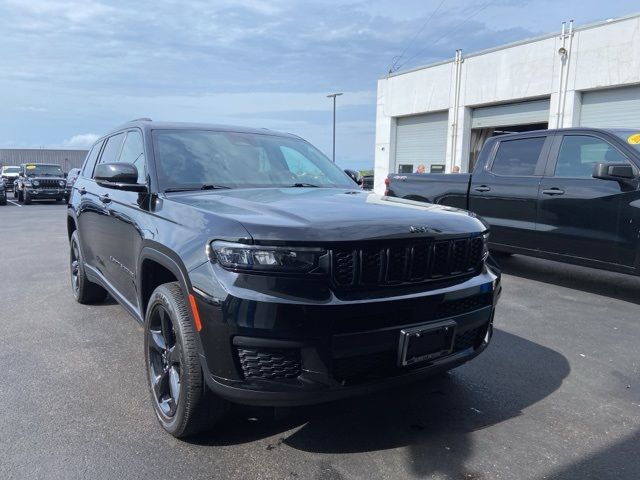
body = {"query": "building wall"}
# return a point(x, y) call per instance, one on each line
point(67, 159)
point(599, 56)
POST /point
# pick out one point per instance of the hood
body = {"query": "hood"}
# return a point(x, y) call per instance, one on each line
point(10, 175)
point(330, 215)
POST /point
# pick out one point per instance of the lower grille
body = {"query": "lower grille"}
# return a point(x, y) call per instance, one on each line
point(470, 338)
point(269, 364)
point(363, 368)
point(463, 305)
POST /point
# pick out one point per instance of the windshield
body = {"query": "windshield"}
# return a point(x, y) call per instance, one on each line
point(630, 137)
point(195, 158)
point(10, 169)
point(43, 170)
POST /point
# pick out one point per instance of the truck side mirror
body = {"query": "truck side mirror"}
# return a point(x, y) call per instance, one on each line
point(613, 171)
point(355, 176)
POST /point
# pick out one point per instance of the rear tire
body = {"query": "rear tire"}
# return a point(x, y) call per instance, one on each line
point(84, 291)
point(181, 399)
point(27, 198)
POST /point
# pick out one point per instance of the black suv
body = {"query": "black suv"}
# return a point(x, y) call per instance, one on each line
point(263, 275)
point(40, 181)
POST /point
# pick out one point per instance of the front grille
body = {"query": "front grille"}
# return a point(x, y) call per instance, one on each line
point(49, 183)
point(269, 364)
point(405, 262)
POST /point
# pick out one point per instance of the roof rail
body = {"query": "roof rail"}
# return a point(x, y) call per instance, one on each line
point(142, 119)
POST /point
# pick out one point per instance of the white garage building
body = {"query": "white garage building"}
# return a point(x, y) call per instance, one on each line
point(440, 115)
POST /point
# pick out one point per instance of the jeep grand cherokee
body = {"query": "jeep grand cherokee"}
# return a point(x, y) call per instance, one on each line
point(263, 275)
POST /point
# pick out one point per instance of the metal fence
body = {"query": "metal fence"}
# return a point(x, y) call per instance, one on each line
point(67, 159)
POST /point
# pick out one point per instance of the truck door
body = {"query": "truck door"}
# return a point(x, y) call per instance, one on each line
point(581, 216)
point(504, 189)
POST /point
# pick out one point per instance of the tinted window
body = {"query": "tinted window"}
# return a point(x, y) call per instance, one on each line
point(133, 152)
point(112, 149)
point(518, 157)
point(579, 153)
point(91, 160)
point(191, 158)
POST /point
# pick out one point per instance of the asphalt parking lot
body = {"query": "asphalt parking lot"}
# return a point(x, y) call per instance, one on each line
point(557, 394)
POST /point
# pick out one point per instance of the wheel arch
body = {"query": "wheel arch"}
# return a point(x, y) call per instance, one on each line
point(156, 268)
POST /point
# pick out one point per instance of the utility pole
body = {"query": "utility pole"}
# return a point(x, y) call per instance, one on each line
point(334, 95)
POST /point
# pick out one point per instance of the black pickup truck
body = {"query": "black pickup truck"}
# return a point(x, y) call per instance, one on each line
point(264, 275)
point(570, 195)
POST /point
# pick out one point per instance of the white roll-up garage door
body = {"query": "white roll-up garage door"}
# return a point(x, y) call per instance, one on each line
point(421, 139)
point(613, 107)
point(521, 113)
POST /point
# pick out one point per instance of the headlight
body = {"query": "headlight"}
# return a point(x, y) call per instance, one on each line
point(263, 258)
point(485, 246)
point(35, 183)
point(61, 183)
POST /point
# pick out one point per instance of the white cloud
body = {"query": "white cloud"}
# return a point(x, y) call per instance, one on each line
point(83, 140)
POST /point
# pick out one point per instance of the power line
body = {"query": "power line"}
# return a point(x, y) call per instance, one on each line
point(449, 32)
point(395, 60)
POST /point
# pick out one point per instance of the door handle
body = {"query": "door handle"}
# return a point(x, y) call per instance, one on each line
point(82, 190)
point(105, 198)
point(482, 188)
point(553, 191)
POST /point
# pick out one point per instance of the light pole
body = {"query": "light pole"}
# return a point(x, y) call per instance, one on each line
point(334, 95)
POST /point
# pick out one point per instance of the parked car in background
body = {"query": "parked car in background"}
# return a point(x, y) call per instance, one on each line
point(3, 194)
point(72, 176)
point(263, 275)
point(571, 195)
point(8, 175)
point(40, 181)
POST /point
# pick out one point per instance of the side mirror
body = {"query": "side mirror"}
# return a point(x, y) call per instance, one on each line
point(613, 171)
point(120, 176)
point(355, 176)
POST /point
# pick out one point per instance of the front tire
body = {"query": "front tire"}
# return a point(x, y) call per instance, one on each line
point(20, 196)
point(27, 198)
point(84, 291)
point(182, 402)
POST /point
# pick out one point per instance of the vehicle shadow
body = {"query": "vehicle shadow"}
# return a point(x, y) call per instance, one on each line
point(600, 282)
point(433, 419)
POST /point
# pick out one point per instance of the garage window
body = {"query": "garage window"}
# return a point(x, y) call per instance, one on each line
point(518, 157)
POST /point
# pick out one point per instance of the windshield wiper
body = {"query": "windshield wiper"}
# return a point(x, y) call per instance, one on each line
point(206, 186)
point(301, 185)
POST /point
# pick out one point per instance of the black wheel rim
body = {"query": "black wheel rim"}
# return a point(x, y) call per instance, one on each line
point(164, 361)
point(75, 267)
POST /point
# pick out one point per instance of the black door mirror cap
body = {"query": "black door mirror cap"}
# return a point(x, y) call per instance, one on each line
point(613, 171)
point(119, 176)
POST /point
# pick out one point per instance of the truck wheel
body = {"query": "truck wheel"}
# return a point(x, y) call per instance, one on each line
point(15, 193)
point(27, 198)
point(182, 402)
point(84, 291)
point(20, 196)
point(3, 201)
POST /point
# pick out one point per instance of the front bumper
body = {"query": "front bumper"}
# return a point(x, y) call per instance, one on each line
point(260, 350)
point(43, 194)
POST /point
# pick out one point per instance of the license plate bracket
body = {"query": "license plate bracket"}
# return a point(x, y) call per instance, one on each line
point(426, 342)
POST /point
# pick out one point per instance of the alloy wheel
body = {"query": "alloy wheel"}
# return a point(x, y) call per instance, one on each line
point(164, 361)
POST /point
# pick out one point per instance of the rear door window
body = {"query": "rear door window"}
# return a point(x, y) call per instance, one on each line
point(518, 157)
point(579, 153)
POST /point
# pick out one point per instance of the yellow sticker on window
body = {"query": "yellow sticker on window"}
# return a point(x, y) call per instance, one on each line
point(31, 167)
point(634, 139)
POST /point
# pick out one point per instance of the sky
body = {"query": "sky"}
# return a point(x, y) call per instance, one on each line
point(71, 70)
